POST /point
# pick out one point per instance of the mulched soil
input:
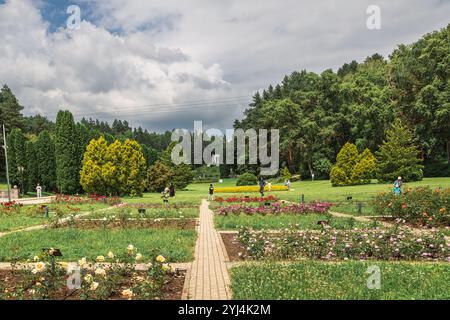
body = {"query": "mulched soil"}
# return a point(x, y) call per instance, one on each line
point(172, 289)
point(236, 251)
point(183, 224)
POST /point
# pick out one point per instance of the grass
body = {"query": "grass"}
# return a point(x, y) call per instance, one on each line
point(312, 280)
point(175, 245)
point(272, 222)
point(16, 221)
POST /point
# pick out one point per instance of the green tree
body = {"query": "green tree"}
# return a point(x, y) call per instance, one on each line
point(17, 159)
point(247, 179)
point(45, 160)
point(132, 170)
point(66, 154)
point(97, 175)
point(10, 110)
point(398, 155)
point(32, 166)
point(158, 177)
point(182, 176)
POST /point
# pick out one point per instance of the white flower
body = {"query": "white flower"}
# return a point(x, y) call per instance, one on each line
point(82, 262)
point(40, 266)
point(127, 294)
point(94, 286)
point(165, 267)
point(130, 248)
point(110, 255)
point(100, 272)
point(36, 258)
point(138, 257)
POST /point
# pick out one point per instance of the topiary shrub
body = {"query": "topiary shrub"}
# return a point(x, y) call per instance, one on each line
point(364, 170)
point(338, 177)
point(247, 179)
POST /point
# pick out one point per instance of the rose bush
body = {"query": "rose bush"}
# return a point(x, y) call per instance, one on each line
point(244, 199)
point(332, 244)
point(420, 206)
point(276, 208)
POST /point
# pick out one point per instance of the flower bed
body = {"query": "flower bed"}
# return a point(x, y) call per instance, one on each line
point(109, 277)
point(277, 208)
point(420, 206)
point(78, 200)
point(246, 199)
point(248, 189)
point(12, 207)
point(331, 244)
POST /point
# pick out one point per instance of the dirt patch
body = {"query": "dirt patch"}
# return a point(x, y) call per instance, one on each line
point(182, 224)
point(236, 251)
point(172, 289)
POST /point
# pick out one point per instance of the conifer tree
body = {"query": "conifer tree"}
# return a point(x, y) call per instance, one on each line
point(398, 155)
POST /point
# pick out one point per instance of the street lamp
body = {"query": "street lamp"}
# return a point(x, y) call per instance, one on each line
point(21, 170)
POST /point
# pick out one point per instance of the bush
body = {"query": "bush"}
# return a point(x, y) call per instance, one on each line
point(247, 179)
point(420, 206)
point(322, 168)
point(158, 177)
point(332, 244)
point(353, 168)
point(182, 176)
point(286, 174)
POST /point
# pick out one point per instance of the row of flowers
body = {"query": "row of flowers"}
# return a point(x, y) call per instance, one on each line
point(245, 199)
point(332, 244)
point(78, 200)
point(108, 277)
point(276, 208)
point(10, 207)
point(248, 189)
point(421, 206)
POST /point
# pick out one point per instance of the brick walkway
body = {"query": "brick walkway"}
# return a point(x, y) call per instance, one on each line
point(207, 278)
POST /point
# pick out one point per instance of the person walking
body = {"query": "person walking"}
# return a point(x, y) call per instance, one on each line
point(269, 187)
point(262, 185)
point(211, 192)
point(398, 186)
point(39, 191)
point(171, 190)
point(165, 195)
point(288, 184)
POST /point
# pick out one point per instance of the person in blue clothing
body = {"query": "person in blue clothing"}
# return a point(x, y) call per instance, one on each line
point(262, 185)
point(398, 186)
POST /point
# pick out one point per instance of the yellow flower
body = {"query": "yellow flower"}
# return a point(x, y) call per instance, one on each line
point(160, 259)
point(110, 255)
point(82, 262)
point(94, 286)
point(165, 267)
point(88, 278)
point(130, 248)
point(36, 258)
point(138, 257)
point(65, 265)
point(40, 266)
point(100, 259)
point(127, 294)
point(100, 272)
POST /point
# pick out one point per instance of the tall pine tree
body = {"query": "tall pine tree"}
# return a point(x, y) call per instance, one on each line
point(45, 160)
point(32, 166)
point(66, 154)
point(399, 156)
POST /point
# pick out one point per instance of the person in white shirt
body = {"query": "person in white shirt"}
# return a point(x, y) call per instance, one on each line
point(39, 191)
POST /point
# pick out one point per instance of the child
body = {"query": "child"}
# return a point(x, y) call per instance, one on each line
point(398, 186)
point(165, 195)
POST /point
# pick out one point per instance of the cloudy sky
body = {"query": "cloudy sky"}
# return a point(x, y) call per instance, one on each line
point(162, 64)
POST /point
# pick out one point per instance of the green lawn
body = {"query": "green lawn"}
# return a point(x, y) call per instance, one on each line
point(16, 221)
point(175, 245)
point(272, 222)
point(312, 280)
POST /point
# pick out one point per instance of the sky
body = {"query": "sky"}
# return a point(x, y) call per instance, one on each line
point(162, 64)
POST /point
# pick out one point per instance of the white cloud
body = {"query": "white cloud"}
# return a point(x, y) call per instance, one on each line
point(176, 51)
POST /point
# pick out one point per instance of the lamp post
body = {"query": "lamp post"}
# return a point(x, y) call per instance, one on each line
point(21, 170)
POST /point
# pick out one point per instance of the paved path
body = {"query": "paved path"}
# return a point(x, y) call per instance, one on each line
point(42, 200)
point(207, 278)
